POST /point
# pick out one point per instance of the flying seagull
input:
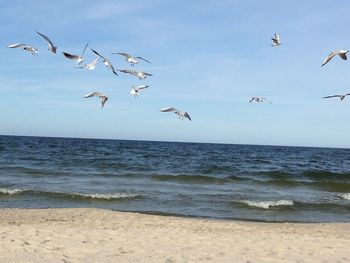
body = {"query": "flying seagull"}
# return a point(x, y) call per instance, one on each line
point(131, 59)
point(337, 96)
point(340, 53)
point(257, 99)
point(90, 66)
point(276, 40)
point(139, 74)
point(78, 58)
point(108, 64)
point(102, 96)
point(25, 47)
point(135, 90)
point(52, 48)
point(181, 114)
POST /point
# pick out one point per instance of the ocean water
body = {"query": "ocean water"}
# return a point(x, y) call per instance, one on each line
point(246, 182)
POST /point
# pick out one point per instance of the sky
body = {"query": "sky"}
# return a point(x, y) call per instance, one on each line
point(207, 58)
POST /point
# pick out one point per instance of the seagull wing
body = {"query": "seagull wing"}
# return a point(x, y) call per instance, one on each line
point(16, 45)
point(51, 45)
point(187, 116)
point(332, 96)
point(343, 56)
point(70, 56)
point(104, 99)
point(267, 100)
point(147, 74)
point(168, 109)
point(251, 99)
point(123, 54)
point(143, 59)
point(82, 54)
point(94, 62)
point(329, 57)
point(98, 54)
point(110, 66)
point(142, 87)
point(93, 94)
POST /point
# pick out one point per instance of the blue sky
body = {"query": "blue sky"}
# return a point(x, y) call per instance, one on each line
point(208, 58)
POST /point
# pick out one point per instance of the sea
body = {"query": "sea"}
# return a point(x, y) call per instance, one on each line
point(213, 181)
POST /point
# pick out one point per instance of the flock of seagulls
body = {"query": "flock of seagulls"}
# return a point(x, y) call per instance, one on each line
point(276, 41)
point(133, 60)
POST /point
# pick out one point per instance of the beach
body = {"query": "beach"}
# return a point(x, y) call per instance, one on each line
point(98, 235)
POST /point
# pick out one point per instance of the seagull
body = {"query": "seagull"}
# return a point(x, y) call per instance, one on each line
point(139, 74)
point(90, 66)
point(276, 40)
point(135, 90)
point(257, 99)
point(131, 59)
point(181, 114)
point(340, 53)
point(26, 47)
point(103, 97)
point(78, 58)
point(52, 48)
point(107, 62)
point(337, 96)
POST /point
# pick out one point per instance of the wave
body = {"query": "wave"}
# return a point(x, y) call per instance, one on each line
point(8, 191)
point(267, 204)
point(322, 174)
point(190, 178)
point(345, 196)
point(106, 196)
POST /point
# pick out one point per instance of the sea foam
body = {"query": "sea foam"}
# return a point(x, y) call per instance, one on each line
point(345, 196)
point(268, 204)
point(107, 196)
point(10, 191)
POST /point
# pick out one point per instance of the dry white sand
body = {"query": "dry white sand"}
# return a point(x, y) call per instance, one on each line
point(92, 235)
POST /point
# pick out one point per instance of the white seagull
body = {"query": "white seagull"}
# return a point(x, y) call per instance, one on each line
point(78, 58)
point(181, 114)
point(135, 90)
point(25, 47)
point(102, 96)
point(131, 59)
point(139, 74)
point(276, 40)
point(340, 53)
point(52, 48)
point(108, 64)
point(257, 99)
point(341, 96)
point(90, 66)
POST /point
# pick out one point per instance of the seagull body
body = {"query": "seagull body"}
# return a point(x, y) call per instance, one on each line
point(78, 58)
point(341, 96)
point(181, 114)
point(52, 48)
point(257, 99)
point(108, 64)
point(25, 47)
point(92, 65)
point(131, 59)
point(340, 53)
point(135, 90)
point(102, 96)
point(139, 74)
point(276, 40)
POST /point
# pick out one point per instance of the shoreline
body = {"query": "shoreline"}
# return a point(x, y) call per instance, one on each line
point(97, 235)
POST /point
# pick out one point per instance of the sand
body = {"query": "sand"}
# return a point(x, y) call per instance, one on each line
point(93, 235)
